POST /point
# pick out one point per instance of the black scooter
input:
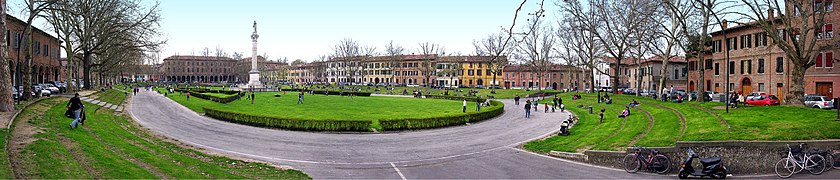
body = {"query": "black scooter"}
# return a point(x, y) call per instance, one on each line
point(712, 167)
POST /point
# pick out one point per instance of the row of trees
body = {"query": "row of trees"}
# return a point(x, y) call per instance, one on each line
point(102, 36)
point(626, 31)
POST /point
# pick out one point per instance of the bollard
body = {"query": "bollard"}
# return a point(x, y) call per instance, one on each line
point(590, 109)
point(836, 106)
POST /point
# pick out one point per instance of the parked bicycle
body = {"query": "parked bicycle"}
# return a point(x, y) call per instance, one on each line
point(651, 160)
point(797, 159)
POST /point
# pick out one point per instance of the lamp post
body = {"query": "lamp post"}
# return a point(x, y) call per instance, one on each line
point(723, 31)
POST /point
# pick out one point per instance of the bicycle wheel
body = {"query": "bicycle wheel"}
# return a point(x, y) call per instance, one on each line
point(785, 167)
point(661, 164)
point(815, 164)
point(631, 163)
point(835, 157)
point(829, 161)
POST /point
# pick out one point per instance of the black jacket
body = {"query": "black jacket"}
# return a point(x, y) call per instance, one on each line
point(75, 104)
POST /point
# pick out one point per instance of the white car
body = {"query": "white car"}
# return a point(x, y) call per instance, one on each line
point(821, 102)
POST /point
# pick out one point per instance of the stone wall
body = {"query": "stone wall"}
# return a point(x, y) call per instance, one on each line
point(740, 157)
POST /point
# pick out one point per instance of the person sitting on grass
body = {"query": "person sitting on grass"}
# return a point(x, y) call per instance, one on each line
point(625, 113)
point(634, 103)
point(609, 100)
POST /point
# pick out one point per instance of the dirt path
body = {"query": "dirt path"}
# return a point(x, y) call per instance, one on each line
point(79, 156)
point(617, 131)
point(649, 128)
point(23, 134)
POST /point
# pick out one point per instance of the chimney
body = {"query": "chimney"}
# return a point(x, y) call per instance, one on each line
point(770, 13)
point(724, 24)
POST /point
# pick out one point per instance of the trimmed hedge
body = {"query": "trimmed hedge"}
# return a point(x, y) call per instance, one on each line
point(496, 109)
point(331, 92)
point(459, 98)
point(199, 93)
point(286, 123)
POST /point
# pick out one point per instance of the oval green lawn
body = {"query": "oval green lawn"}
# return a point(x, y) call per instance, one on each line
point(320, 107)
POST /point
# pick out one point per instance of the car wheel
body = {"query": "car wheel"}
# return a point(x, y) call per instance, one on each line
point(766, 105)
point(816, 106)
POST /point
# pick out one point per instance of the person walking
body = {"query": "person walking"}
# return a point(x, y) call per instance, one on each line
point(300, 98)
point(477, 105)
point(516, 100)
point(75, 105)
point(535, 105)
point(528, 109)
point(253, 95)
point(188, 95)
point(465, 105)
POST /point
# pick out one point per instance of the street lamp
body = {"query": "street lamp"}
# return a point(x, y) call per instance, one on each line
point(723, 31)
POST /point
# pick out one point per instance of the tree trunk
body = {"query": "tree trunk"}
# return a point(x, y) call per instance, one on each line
point(86, 69)
point(663, 75)
point(797, 89)
point(701, 84)
point(616, 75)
point(6, 99)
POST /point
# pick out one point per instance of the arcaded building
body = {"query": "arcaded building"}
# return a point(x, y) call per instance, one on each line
point(45, 53)
point(199, 69)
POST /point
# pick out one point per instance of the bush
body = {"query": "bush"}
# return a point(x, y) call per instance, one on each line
point(332, 92)
point(496, 108)
point(199, 93)
point(288, 123)
point(459, 98)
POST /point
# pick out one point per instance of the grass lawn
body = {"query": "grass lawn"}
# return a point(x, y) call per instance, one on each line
point(5, 166)
point(112, 96)
point(701, 123)
point(320, 107)
point(112, 146)
point(500, 93)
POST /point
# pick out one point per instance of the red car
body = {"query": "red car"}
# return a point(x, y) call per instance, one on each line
point(764, 100)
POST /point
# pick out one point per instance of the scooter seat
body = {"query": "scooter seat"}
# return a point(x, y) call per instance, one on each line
point(709, 161)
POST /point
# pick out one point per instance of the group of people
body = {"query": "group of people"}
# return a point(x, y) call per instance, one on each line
point(735, 99)
point(556, 103)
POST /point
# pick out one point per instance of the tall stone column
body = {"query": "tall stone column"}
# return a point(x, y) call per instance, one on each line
point(254, 74)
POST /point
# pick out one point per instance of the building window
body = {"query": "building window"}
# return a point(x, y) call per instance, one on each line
point(825, 59)
point(478, 72)
point(731, 67)
point(780, 65)
point(760, 87)
point(708, 64)
point(470, 72)
point(717, 69)
point(676, 73)
point(761, 66)
point(743, 66)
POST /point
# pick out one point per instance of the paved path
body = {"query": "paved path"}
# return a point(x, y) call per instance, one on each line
point(485, 150)
point(104, 104)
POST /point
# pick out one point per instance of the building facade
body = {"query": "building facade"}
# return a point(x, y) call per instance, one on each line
point(757, 64)
point(45, 52)
point(557, 77)
point(648, 72)
point(476, 71)
point(199, 69)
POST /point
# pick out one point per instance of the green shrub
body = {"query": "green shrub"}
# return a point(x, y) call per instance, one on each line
point(460, 98)
point(331, 92)
point(287, 123)
point(495, 109)
point(201, 93)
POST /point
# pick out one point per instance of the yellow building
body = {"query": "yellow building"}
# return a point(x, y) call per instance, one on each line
point(476, 71)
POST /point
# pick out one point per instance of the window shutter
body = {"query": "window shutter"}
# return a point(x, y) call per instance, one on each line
point(828, 28)
point(829, 59)
point(819, 60)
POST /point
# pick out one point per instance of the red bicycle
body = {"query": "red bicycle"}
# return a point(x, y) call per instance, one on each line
point(651, 160)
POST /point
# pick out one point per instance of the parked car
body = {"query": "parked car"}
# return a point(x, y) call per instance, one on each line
point(764, 100)
point(15, 94)
point(678, 93)
point(41, 91)
point(53, 89)
point(821, 102)
point(629, 91)
point(754, 94)
point(645, 92)
point(705, 98)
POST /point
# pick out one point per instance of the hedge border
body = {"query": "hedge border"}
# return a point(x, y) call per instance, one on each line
point(330, 92)
point(199, 94)
point(496, 109)
point(470, 99)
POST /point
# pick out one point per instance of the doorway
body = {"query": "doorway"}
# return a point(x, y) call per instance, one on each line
point(824, 89)
point(746, 86)
point(691, 86)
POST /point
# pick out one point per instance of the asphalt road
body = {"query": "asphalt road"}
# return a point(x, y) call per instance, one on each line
point(485, 150)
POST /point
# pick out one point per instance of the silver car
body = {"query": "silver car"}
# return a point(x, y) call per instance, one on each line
point(821, 102)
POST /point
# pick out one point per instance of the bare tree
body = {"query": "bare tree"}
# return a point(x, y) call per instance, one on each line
point(394, 53)
point(348, 53)
point(581, 47)
point(535, 47)
point(220, 52)
point(97, 26)
point(495, 46)
point(237, 55)
point(427, 65)
point(801, 27)
point(204, 52)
